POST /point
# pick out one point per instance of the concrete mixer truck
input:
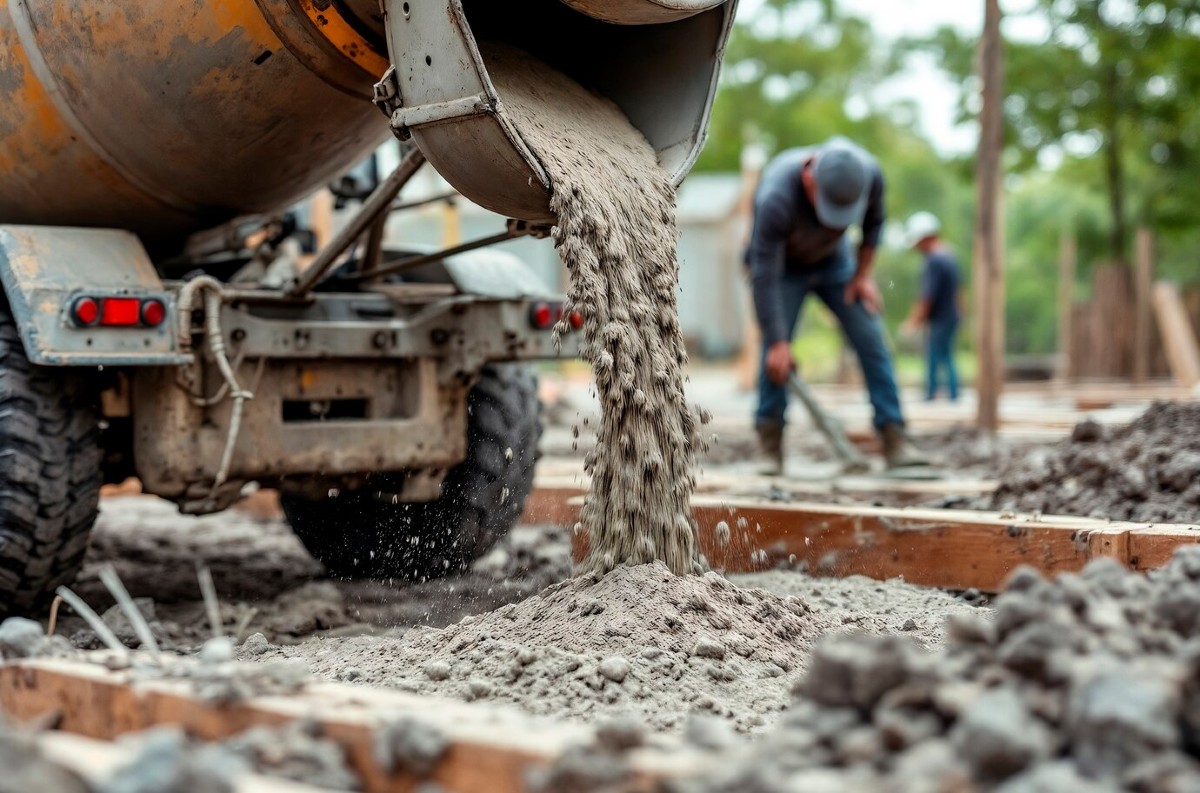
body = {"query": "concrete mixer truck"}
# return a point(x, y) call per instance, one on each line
point(158, 318)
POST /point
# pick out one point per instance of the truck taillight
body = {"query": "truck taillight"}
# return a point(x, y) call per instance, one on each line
point(85, 311)
point(118, 312)
point(153, 312)
point(544, 316)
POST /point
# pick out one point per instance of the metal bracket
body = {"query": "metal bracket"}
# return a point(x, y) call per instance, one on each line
point(404, 119)
point(387, 92)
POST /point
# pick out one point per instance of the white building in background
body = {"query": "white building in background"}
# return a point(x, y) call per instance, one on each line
point(712, 301)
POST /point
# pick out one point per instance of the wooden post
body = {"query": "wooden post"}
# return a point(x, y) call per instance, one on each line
point(749, 358)
point(1179, 338)
point(1068, 261)
point(989, 237)
point(1142, 285)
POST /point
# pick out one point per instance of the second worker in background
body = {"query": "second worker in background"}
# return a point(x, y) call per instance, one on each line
point(806, 200)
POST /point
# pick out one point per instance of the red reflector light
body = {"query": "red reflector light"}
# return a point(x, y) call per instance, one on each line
point(85, 311)
point(576, 320)
point(541, 316)
point(153, 312)
point(121, 312)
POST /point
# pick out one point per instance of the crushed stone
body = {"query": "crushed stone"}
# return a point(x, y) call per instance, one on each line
point(297, 752)
point(21, 638)
point(896, 606)
point(409, 745)
point(166, 759)
point(1148, 471)
point(617, 235)
point(1087, 682)
point(26, 767)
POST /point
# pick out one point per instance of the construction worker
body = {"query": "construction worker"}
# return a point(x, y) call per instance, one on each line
point(806, 200)
point(937, 308)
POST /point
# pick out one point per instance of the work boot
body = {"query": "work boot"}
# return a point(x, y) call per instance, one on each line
point(898, 450)
point(770, 447)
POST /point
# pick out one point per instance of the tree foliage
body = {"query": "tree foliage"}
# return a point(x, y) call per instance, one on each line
point(1113, 85)
point(1102, 118)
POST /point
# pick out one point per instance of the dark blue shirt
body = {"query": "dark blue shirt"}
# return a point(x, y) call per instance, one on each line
point(787, 237)
point(939, 285)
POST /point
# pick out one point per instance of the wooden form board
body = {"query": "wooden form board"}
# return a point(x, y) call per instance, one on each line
point(492, 749)
point(96, 761)
point(550, 501)
point(949, 549)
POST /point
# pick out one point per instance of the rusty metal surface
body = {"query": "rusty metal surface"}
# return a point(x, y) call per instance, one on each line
point(44, 268)
point(412, 423)
point(164, 118)
point(460, 333)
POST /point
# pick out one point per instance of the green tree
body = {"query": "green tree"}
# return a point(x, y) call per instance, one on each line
point(1112, 86)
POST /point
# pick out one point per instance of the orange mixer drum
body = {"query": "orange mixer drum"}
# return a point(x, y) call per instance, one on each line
point(164, 117)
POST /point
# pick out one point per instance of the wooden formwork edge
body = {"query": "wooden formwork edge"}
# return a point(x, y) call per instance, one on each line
point(491, 749)
point(96, 761)
point(949, 549)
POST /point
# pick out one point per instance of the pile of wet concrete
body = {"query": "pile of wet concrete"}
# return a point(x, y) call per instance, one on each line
point(1090, 682)
point(1148, 471)
point(638, 641)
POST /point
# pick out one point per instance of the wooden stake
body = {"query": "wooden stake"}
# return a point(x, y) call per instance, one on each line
point(750, 356)
point(1178, 335)
point(989, 239)
point(1143, 284)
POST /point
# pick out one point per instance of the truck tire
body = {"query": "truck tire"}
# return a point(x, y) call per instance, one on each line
point(365, 534)
point(50, 475)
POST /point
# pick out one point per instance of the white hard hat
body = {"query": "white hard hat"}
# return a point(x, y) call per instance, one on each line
point(920, 226)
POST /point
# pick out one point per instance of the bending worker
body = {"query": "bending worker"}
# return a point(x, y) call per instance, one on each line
point(806, 200)
point(938, 305)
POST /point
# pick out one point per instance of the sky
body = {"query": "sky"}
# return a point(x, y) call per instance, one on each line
point(923, 82)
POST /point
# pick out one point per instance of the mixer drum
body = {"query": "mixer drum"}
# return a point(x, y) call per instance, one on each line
point(164, 117)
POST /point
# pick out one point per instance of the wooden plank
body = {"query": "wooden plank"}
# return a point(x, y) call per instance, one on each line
point(491, 748)
point(1143, 284)
point(1179, 337)
point(97, 761)
point(1081, 341)
point(1112, 322)
point(989, 235)
point(750, 355)
point(549, 502)
point(950, 549)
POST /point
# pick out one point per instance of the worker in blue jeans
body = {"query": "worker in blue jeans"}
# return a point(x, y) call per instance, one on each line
point(806, 200)
point(938, 306)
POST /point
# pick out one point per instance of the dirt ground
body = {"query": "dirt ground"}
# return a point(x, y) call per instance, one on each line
point(388, 634)
point(516, 629)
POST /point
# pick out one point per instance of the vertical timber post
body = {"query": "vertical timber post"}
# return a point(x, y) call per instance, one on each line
point(753, 159)
point(1068, 261)
point(989, 240)
point(1142, 285)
